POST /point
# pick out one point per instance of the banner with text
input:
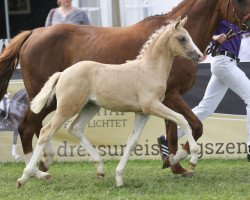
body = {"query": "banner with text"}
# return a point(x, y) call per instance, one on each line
point(224, 133)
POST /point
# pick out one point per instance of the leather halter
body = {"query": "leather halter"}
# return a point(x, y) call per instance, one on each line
point(240, 22)
point(243, 27)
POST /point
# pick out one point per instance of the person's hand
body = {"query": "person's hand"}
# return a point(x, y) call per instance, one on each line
point(220, 38)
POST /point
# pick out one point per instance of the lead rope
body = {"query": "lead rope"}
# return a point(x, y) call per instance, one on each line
point(213, 49)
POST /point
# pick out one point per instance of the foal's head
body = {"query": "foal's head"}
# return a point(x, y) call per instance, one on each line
point(180, 42)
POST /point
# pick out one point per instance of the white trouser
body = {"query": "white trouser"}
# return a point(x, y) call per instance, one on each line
point(225, 74)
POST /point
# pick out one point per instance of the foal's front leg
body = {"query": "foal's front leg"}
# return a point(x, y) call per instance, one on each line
point(139, 123)
point(158, 109)
point(178, 104)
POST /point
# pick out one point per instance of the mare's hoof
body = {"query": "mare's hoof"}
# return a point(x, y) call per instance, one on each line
point(43, 167)
point(187, 173)
point(178, 169)
point(100, 175)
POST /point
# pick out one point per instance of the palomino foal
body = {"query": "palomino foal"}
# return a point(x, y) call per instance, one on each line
point(137, 86)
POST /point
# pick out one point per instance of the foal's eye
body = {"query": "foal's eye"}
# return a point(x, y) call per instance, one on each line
point(182, 39)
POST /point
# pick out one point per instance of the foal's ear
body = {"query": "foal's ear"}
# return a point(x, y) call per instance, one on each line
point(183, 21)
point(177, 22)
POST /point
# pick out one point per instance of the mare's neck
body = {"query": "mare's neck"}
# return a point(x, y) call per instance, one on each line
point(203, 17)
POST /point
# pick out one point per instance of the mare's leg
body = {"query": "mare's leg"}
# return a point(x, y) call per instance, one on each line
point(139, 123)
point(76, 129)
point(178, 104)
point(158, 109)
point(45, 135)
point(26, 131)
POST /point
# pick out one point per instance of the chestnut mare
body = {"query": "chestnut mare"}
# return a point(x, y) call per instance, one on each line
point(136, 86)
point(44, 51)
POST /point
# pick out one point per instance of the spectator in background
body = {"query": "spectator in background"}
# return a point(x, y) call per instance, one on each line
point(66, 13)
point(11, 113)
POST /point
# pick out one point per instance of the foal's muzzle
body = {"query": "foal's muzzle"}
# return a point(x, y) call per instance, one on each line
point(196, 57)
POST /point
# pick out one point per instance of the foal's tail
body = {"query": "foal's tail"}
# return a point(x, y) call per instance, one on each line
point(46, 94)
point(9, 60)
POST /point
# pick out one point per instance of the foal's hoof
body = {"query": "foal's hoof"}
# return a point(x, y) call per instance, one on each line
point(43, 167)
point(48, 177)
point(42, 175)
point(100, 175)
point(19, 183)
point(119, 182)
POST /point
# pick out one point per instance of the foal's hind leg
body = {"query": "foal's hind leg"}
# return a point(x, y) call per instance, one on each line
point(76, 129)
point(45, 135)
point(30, 124)
point(139, 123)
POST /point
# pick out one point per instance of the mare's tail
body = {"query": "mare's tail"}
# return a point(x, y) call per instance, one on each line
point(9, 60)
point(46, 94)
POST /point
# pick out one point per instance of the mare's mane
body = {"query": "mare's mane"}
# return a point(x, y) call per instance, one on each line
point(158, 31)
point(173, 11)
point(182, 4)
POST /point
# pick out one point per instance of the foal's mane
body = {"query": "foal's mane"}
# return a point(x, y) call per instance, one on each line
point(152, 39)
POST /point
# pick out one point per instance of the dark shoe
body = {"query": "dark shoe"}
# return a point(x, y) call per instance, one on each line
point(2, 113)
point(163, 147)
point(248, 153)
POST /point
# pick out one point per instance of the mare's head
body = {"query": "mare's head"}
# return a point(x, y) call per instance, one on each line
point(236, 11)
point(181, 43)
